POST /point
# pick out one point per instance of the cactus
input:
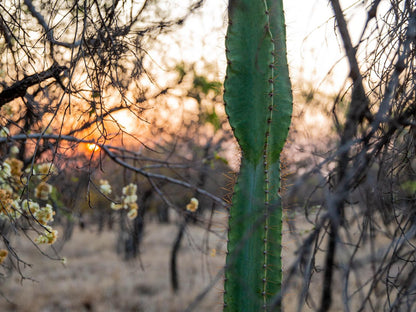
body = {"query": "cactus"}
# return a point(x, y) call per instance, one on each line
point(258, 102)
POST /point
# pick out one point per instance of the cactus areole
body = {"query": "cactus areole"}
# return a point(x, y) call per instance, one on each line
point(258, 102)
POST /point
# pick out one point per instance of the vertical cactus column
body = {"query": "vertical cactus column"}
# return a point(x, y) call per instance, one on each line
point(258, 102)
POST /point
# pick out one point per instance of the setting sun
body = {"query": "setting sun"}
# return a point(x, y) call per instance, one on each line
point(93, 147)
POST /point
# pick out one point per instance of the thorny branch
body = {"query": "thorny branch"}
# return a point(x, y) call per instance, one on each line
point(364, 252)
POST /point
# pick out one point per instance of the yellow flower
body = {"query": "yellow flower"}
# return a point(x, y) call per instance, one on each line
point(130, 189)
point(132, 214)
point(8, 188)
point(5, 171)
point(46, 169)
point(14, 150)
point(43, 190)
point(30, 206)
point(15, 209)
point(105, 187)
point(193, 205)
point(133, 206)
point(3, 255)
point(6, 201)
point(49, 236)
point(130, 199)
point(16, 166)
point(52, 236)
point(115, 206)
point(45, 214)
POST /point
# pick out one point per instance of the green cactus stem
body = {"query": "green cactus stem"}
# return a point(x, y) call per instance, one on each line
point(258, 99)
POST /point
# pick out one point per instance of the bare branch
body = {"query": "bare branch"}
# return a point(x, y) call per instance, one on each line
point(117, 159)
point(19, 88)
point(48, 30)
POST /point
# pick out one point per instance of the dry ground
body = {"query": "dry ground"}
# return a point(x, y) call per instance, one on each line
point(95, 278)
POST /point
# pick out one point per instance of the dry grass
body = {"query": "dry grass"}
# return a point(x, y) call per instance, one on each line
point(95, 278)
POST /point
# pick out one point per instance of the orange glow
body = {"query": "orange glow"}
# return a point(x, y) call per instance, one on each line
point(126, 120)
point(92, 147)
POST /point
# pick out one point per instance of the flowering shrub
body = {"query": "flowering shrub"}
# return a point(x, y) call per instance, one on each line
point(16, 201)
point(48, 237)
point(105, 187)
point(128, 200)
point(193, 205)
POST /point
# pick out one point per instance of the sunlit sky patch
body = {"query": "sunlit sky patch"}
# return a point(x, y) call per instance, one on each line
point(313, 45)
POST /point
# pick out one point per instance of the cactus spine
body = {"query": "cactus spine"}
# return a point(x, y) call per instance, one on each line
point(258, 102)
